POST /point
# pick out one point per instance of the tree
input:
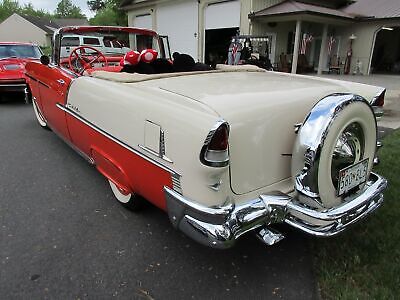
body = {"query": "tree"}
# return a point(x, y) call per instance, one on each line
point(29, 10)
point(7, 8)
point(96, 5)
point(65, 9)
point(110, 14)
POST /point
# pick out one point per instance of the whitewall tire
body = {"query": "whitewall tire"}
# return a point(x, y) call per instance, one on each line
point(130, 201)
point(356, 113)
point(38, 114)
point(339, 132)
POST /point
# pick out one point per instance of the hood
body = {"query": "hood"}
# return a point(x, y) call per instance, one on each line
point(12, 68)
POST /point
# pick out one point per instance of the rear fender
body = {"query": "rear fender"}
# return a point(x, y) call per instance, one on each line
point(111, 169)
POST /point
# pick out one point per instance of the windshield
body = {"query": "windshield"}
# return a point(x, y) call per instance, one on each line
point(110, 44)
point(19, 51)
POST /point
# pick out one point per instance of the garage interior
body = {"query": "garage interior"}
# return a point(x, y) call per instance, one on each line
point(217, 44)
point(386, 55)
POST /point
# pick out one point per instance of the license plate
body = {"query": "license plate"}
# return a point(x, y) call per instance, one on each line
point(352, 176)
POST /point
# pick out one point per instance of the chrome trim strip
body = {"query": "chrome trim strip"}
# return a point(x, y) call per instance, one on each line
point(220, 227)
point(155, 153)
point(31, 77)
point(42, 83)
point(114, 139)
point(176, 183)
point(22, 85)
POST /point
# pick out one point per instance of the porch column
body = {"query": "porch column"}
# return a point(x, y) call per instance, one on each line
point(322, 53)
point(296, 46)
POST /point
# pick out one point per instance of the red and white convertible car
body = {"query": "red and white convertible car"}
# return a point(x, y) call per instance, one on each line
point(13, 58)
point(223, 152)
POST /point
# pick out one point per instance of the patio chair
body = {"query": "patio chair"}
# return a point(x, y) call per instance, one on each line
point(334, 64)
point(283, 65)
point(302, 65)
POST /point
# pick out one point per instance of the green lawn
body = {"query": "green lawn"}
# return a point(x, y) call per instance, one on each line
point(364, 262)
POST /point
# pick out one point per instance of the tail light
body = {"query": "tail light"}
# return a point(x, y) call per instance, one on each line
point(215, 149)
point(379, 100)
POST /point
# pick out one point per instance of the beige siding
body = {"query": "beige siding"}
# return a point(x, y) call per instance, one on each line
point(363, 46)
point(281, 29)
point(17, 29)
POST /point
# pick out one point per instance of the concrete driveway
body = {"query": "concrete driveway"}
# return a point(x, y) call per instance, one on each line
point(63, 236)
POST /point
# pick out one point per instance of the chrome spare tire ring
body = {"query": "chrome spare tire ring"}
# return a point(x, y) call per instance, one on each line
point(339, 132)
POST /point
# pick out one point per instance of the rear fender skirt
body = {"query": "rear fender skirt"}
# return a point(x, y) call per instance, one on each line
point(111, 169)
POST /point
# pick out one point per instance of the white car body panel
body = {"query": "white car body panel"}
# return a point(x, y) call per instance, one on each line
point(261, 113)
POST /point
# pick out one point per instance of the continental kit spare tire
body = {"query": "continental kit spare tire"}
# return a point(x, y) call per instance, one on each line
point(338, 134)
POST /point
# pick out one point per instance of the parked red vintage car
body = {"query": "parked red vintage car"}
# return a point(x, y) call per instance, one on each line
point(13, 58)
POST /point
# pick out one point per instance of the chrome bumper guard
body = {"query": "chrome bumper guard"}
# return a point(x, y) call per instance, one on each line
point(219, 227)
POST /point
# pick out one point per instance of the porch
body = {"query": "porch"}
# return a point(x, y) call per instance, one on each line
point(308, 38)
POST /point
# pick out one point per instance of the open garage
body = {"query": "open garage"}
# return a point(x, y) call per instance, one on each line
point(386, 55)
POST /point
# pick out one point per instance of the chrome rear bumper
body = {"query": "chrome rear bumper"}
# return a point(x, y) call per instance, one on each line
point(219, 227)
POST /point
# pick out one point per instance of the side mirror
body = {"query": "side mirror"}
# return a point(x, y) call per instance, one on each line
point(45, 60)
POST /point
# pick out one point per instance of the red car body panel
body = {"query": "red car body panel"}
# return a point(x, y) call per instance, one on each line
point(125, 167)
point(51, 84)
point(137, 174)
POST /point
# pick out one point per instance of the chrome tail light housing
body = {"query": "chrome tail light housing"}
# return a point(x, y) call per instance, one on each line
point(215, 151)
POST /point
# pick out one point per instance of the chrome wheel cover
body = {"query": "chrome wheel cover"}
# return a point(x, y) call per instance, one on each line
point(349, 150)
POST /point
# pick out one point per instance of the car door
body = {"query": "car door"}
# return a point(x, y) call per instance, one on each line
point(53, 84)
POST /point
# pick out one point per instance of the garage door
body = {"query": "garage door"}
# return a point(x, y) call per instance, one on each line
point(179, 22)
point(143, 21)
point(223, 15)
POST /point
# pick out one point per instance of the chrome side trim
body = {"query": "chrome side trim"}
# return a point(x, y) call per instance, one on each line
point(220, 227)
point(155, 153)
point(21, 85)
point(114, 139)
point(176, 183)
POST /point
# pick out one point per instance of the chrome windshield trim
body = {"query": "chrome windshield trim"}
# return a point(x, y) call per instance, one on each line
point(114, 139)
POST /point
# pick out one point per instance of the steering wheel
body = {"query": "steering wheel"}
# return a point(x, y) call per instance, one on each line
point(85, 59)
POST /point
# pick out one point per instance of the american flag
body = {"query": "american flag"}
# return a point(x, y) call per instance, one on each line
point(331, 42)
point(307, 38)
point(235, 49)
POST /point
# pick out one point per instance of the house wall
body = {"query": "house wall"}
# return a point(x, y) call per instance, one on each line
point(17, 29)
point(363, 46)
point(246, 6)
point(281, 29)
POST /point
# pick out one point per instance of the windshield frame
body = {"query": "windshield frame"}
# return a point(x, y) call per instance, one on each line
point(58, 35)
